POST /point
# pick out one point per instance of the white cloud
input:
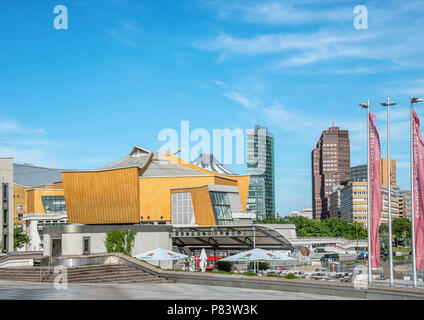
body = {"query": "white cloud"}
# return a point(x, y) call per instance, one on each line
point(392, 37)
point(236, 94)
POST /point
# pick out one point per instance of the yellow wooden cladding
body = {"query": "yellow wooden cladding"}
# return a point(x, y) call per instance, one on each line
point(103, 197)
point(34, 199)
point(242, 180)
point(202, 205)
point(155, 194)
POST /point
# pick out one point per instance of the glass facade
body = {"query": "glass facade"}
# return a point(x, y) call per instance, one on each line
point(53, 204)
point(260, 167)
point(221, 208)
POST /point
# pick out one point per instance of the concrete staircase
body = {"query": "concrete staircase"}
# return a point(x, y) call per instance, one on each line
point(102, 273)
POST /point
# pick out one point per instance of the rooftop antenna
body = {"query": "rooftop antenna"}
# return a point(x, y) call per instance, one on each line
point(332, 116)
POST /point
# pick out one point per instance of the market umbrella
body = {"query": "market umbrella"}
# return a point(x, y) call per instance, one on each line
point(203, 259)
point(258, 255)
point(160, 254)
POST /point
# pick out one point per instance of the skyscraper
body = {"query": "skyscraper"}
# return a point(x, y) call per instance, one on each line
point(260, 167)
point(384, 172)
point(330, 165)
point(359, 173)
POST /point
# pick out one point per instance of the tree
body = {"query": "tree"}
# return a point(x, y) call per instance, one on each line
point(402, 227)
point(19, 237)
point(120, 241)
point(331, 227)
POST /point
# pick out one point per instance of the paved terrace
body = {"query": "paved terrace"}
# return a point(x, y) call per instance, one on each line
point(303, 286)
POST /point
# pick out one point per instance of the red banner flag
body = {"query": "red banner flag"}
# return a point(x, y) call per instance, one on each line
point(418, 193)
point(375, 191)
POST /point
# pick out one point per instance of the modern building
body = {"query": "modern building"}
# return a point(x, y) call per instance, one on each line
point(155, 188)
point(335, 202)
point(39, 200)
point(6, 204)
point(353, 203)
point(384, 172)
point(306, 213)
point(330, 165)
point(359, 173)
point(405, 206)
point(260, 168)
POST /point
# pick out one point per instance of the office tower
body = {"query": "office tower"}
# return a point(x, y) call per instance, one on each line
point(330, 166)
point(359, 173)
point(260, 167)
point(335, 202)
point(405, 208)
point(353, 203)
point(384, 172)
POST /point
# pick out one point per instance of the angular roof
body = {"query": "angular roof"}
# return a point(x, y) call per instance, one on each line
point(162, 167)
point(138, 157)
point(156, 164)
point(28, 175)
point(209, 162)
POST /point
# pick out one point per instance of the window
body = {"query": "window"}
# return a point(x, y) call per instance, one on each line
point(54, 204)
point(5, 191)
point(182, 209)
point(221, 208)
point(86, 245)
point(5, 217)
point(5, 242)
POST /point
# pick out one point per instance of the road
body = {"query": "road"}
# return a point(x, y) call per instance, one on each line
point(161, 291)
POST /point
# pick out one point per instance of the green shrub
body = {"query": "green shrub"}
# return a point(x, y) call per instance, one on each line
point(120, 241)
point(226, 266)
point(250, 273)
point(290, 276)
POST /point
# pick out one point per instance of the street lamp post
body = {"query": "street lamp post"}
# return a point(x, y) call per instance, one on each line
point(389, 185)
point(414, 258)
point(367, 106)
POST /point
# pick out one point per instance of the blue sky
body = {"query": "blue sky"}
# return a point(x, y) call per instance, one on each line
point(125, 70)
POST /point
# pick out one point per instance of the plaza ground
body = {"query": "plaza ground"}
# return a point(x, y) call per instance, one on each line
point(45, 291)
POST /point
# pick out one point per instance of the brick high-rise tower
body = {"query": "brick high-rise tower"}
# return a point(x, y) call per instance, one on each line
point(330, 165)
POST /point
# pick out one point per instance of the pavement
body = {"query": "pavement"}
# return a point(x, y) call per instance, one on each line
point(15, 290)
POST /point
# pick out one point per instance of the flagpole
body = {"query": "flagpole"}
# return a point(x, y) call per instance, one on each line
point(367, 106)
point(389, 187)
point(389, 193)
point(368, 194)
point(414, 258)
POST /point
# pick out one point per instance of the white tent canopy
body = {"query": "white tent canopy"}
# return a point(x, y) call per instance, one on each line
point(258, 255)
point(160, 254)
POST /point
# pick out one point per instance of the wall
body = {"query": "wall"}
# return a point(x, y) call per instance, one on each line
point(19, 198)
point(34, 198)
point(6, 176)
point(155, 194)
point(102, 197)
point(72, 243)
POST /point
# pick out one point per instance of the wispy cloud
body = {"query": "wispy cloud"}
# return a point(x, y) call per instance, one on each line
point(234, 93)
point(127, 33)
point(391, 37)
point(279, 12)
point(26, 144)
